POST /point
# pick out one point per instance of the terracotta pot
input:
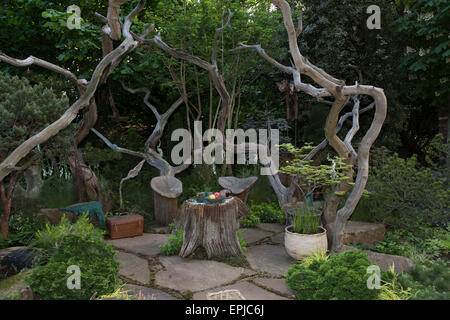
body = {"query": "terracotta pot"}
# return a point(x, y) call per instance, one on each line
point(299, 246)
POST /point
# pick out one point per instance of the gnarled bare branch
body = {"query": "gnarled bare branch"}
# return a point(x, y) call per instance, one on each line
point(70, 114)
point(216, 35)
point(44, 64)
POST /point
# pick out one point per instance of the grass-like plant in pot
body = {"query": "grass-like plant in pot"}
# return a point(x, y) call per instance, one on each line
point(305, 235)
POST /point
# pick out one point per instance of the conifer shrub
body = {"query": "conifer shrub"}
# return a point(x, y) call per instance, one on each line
point(78, 244)
point(342, 276)
point(429, 282)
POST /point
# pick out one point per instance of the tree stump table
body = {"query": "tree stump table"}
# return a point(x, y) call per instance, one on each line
point(166, 191)
point(239, 187)
point(212, 226)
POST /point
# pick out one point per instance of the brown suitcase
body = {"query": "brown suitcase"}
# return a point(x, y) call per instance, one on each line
point(125, 226)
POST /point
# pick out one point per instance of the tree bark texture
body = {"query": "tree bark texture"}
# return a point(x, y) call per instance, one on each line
point(6, 197)
point(165, 209)
point(211, 226)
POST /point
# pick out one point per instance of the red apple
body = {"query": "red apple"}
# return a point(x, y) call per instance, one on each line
point(217, 195)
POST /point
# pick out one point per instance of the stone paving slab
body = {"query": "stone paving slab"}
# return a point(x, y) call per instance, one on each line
point(269, 258)
point(271, 227)
point(248, 290)
point(279, 238)
point(147, 244)
point(147, 293)
point(278, 285)
point(253, 235)
point(133, 267)
point(195, 275)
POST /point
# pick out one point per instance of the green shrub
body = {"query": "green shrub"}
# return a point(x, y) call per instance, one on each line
point(403, 194)
point(428, 243)
point(251, 221)
point(393, 290)
point(242, 241)
point(342, 276)
point(79, 244)
point(429, 282)
point(267, 212)
point(174, 245)
point(4, 243)
point(22, 229)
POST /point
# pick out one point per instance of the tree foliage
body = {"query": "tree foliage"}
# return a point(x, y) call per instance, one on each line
point(426, 27)
point(404, 194)
point(25, 110)
point(309, 176)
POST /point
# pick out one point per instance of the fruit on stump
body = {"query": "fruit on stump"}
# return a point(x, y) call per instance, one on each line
point(212, 197)
point(217, 195)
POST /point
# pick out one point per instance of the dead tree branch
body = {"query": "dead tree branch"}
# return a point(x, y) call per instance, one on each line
point(330, 86)
point(51, 130)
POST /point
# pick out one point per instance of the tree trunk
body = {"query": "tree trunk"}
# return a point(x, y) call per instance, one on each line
point(33, 180)
point(6, 197)
point(212, 226)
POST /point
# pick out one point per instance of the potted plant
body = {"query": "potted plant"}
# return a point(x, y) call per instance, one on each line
point(304, 234)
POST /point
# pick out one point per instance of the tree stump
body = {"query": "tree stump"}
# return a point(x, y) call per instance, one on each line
point(166, 190)
point(212, 226)
point(239, 187)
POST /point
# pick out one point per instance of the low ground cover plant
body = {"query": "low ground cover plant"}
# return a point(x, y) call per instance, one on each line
point(264, 212)
point(430, 281)
point(22, 230)
point(79, 244)
point(175, 243)
point(423, 243)
point(342, 276)
point(173, 246)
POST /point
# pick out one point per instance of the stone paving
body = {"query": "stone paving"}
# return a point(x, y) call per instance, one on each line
point(151, 276)
point(156, 277)
point(146, 245)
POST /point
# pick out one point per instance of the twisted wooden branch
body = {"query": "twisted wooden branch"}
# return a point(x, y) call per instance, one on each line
point(68, 116)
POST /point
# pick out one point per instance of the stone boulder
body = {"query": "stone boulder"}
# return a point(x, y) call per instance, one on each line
point(358, 232)
point(54, 216)
point(15, 259)
point(365, 233)
point(399, 263)
point(385, 261)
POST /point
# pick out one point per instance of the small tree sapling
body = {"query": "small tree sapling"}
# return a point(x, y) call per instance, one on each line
point(308, 178)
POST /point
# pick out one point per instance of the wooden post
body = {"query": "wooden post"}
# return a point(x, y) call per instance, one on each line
point(166, 191)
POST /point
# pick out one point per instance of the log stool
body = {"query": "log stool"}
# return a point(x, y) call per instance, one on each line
point(239, 187)
point(166, 190)
point(212, 226)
